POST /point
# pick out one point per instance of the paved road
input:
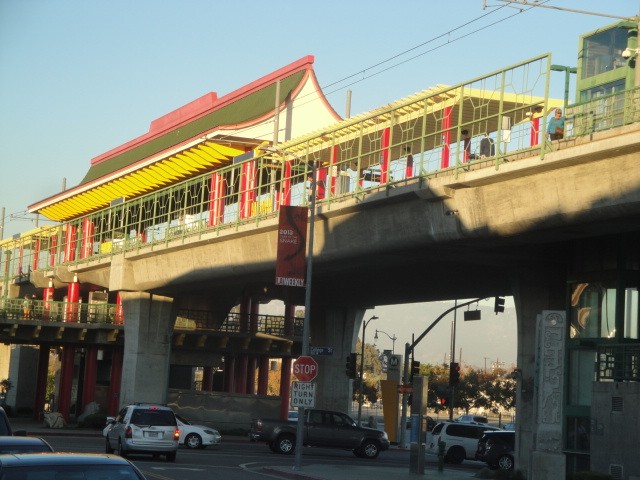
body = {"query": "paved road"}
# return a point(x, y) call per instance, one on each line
point(252, 461)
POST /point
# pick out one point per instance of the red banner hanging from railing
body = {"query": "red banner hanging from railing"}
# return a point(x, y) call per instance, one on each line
point(292, 235)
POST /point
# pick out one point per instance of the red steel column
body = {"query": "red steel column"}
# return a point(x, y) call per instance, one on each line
point(90, 376)
point(41, 382)
point(119, 317)
point(247, 188)
point(217, 189)
point(252, 365)
point(113, 402)
point(408, 173)
point(70, 243)
point(285, 373)
point(20, 259)
point(53, 250)
point(263, 375)
point(535, 132)
point(73, 297)
point(285, 184)
point(333, 170)
point(384, 162)
point(86, 243)
point(207, 379)
point(321, 187)
point(66, 381)
point(229, 373)
point(241, 374)
point(36, 255)
point(446, 137)
point(47, 296)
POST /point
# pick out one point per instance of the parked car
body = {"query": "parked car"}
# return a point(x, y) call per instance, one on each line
point(10, 444)
point(5, 425)
point(37, 466)
point(292, 416)
point(196, 436)
point(509, 426)
point(143, 428)
point(461, 440)
point(496, 449)
point(322, 428)
point(472, 419)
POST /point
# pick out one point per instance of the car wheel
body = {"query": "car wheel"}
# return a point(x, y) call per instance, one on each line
point(369, 449)
point(505, 462)
point(455, 455)
point(121, 451)
point(285, 444)
point(193, 440)
point(108, 448)
point(171, 457)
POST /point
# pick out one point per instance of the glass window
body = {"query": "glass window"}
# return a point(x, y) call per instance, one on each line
point(592, 311)
point(631, 313)
point(602, 52)
point(581, 376)
point(578, 433)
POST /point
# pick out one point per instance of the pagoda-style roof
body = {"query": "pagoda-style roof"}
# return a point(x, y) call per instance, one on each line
point(203, 135)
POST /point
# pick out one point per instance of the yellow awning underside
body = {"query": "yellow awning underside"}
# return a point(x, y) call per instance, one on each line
point(192, 161)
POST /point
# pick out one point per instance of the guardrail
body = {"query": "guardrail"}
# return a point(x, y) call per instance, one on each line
point(21, 309)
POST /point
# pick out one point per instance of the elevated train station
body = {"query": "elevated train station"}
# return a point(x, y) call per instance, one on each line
point(161, 257)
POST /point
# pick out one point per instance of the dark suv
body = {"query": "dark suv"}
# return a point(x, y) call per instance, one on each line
point(496, 449)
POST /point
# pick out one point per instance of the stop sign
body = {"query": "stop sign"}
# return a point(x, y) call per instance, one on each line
point(305, 369)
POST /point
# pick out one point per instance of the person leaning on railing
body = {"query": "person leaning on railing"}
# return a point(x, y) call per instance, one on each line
point(555, 128)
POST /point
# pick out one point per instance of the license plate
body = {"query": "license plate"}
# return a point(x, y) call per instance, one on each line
point(152, 434)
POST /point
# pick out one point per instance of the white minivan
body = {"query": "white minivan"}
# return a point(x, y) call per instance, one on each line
point(461, 440)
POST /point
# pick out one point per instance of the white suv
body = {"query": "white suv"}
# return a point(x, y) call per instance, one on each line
point(143, 428)
point(461, 440)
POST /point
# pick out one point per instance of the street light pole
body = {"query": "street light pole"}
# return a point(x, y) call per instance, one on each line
point(307, 290)
point(361, 395)
point(393, 339)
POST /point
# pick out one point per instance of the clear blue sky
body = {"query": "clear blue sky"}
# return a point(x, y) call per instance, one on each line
point(79, 77)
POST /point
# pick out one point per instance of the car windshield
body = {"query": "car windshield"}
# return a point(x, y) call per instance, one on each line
point(35, 448)
point(161, 418)
point(69, 472)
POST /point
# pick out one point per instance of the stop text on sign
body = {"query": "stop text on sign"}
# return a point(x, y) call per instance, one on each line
point(305, 369)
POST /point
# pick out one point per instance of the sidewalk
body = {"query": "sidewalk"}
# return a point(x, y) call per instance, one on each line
point(307, 472)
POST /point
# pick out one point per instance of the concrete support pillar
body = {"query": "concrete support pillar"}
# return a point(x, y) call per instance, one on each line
point(338, 327)
point(113, 402)
point(90, 376)
point(66, 381)
point(229, 373)
point(148, 324)
point(535, 292)
point(263, 375)
point(41, 382)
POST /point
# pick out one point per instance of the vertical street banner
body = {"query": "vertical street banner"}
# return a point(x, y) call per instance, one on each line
point(292, 236)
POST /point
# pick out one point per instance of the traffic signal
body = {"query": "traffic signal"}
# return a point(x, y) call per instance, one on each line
point(351, 368)
point(499, 305)
point(454, 373)
point(415, 368)
point(444, 401)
